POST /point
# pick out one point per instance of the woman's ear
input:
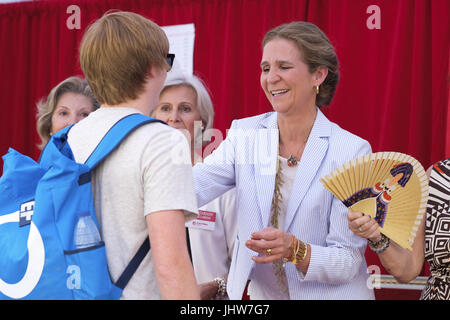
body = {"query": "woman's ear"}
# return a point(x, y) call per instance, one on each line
point(320, 74)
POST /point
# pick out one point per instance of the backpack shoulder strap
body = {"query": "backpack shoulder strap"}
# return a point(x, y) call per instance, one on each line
point(116, 135)
point(109, 143)
point(133, 265)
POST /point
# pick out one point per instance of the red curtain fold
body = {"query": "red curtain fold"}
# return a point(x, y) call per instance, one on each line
point(393, 90)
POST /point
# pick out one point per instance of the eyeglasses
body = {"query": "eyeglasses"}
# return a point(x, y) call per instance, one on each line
point(169, 59)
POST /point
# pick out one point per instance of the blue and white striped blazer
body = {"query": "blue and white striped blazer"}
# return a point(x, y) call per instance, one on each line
point(247, 159)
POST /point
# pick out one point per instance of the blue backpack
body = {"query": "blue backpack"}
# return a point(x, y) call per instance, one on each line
point(46, 209)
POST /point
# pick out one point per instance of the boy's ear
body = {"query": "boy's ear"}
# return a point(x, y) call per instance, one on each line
point(151, 72)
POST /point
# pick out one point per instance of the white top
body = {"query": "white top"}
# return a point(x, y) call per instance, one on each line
point(212, 249)
point(143, 175)
point(264, 284)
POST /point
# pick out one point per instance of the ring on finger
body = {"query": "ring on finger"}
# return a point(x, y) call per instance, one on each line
point(269, 251)
point(360, 230)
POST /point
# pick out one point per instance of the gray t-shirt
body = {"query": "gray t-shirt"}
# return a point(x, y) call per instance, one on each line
point(149, 172)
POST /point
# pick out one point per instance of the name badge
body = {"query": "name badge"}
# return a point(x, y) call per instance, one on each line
point(206, 220)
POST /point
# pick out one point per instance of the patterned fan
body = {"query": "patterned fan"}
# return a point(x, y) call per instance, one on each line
point(391, 187)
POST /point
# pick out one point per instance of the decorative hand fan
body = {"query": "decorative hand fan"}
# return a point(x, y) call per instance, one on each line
point(391, 187)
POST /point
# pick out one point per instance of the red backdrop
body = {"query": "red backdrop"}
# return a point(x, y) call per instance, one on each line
point(394, 84)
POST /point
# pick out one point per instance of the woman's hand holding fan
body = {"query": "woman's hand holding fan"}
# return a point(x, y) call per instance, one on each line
point(390, 187)
point(363, 225)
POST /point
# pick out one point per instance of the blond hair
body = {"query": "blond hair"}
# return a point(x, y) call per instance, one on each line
point(316, 51)
point(117, 52)
point(46, 106)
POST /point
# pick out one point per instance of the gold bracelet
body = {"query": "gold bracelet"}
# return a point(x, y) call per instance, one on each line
point(304, 250)
point(297, 247)
point(293, 247)
point(296, 250)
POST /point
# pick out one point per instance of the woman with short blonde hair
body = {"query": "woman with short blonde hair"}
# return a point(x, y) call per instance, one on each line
point(47, 106)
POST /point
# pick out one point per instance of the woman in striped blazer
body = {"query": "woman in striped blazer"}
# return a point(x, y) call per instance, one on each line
point(293, 240)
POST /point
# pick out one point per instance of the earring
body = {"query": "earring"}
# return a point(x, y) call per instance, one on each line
point(317, 89)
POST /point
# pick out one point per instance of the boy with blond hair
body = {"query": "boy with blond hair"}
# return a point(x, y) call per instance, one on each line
point(141, 190)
